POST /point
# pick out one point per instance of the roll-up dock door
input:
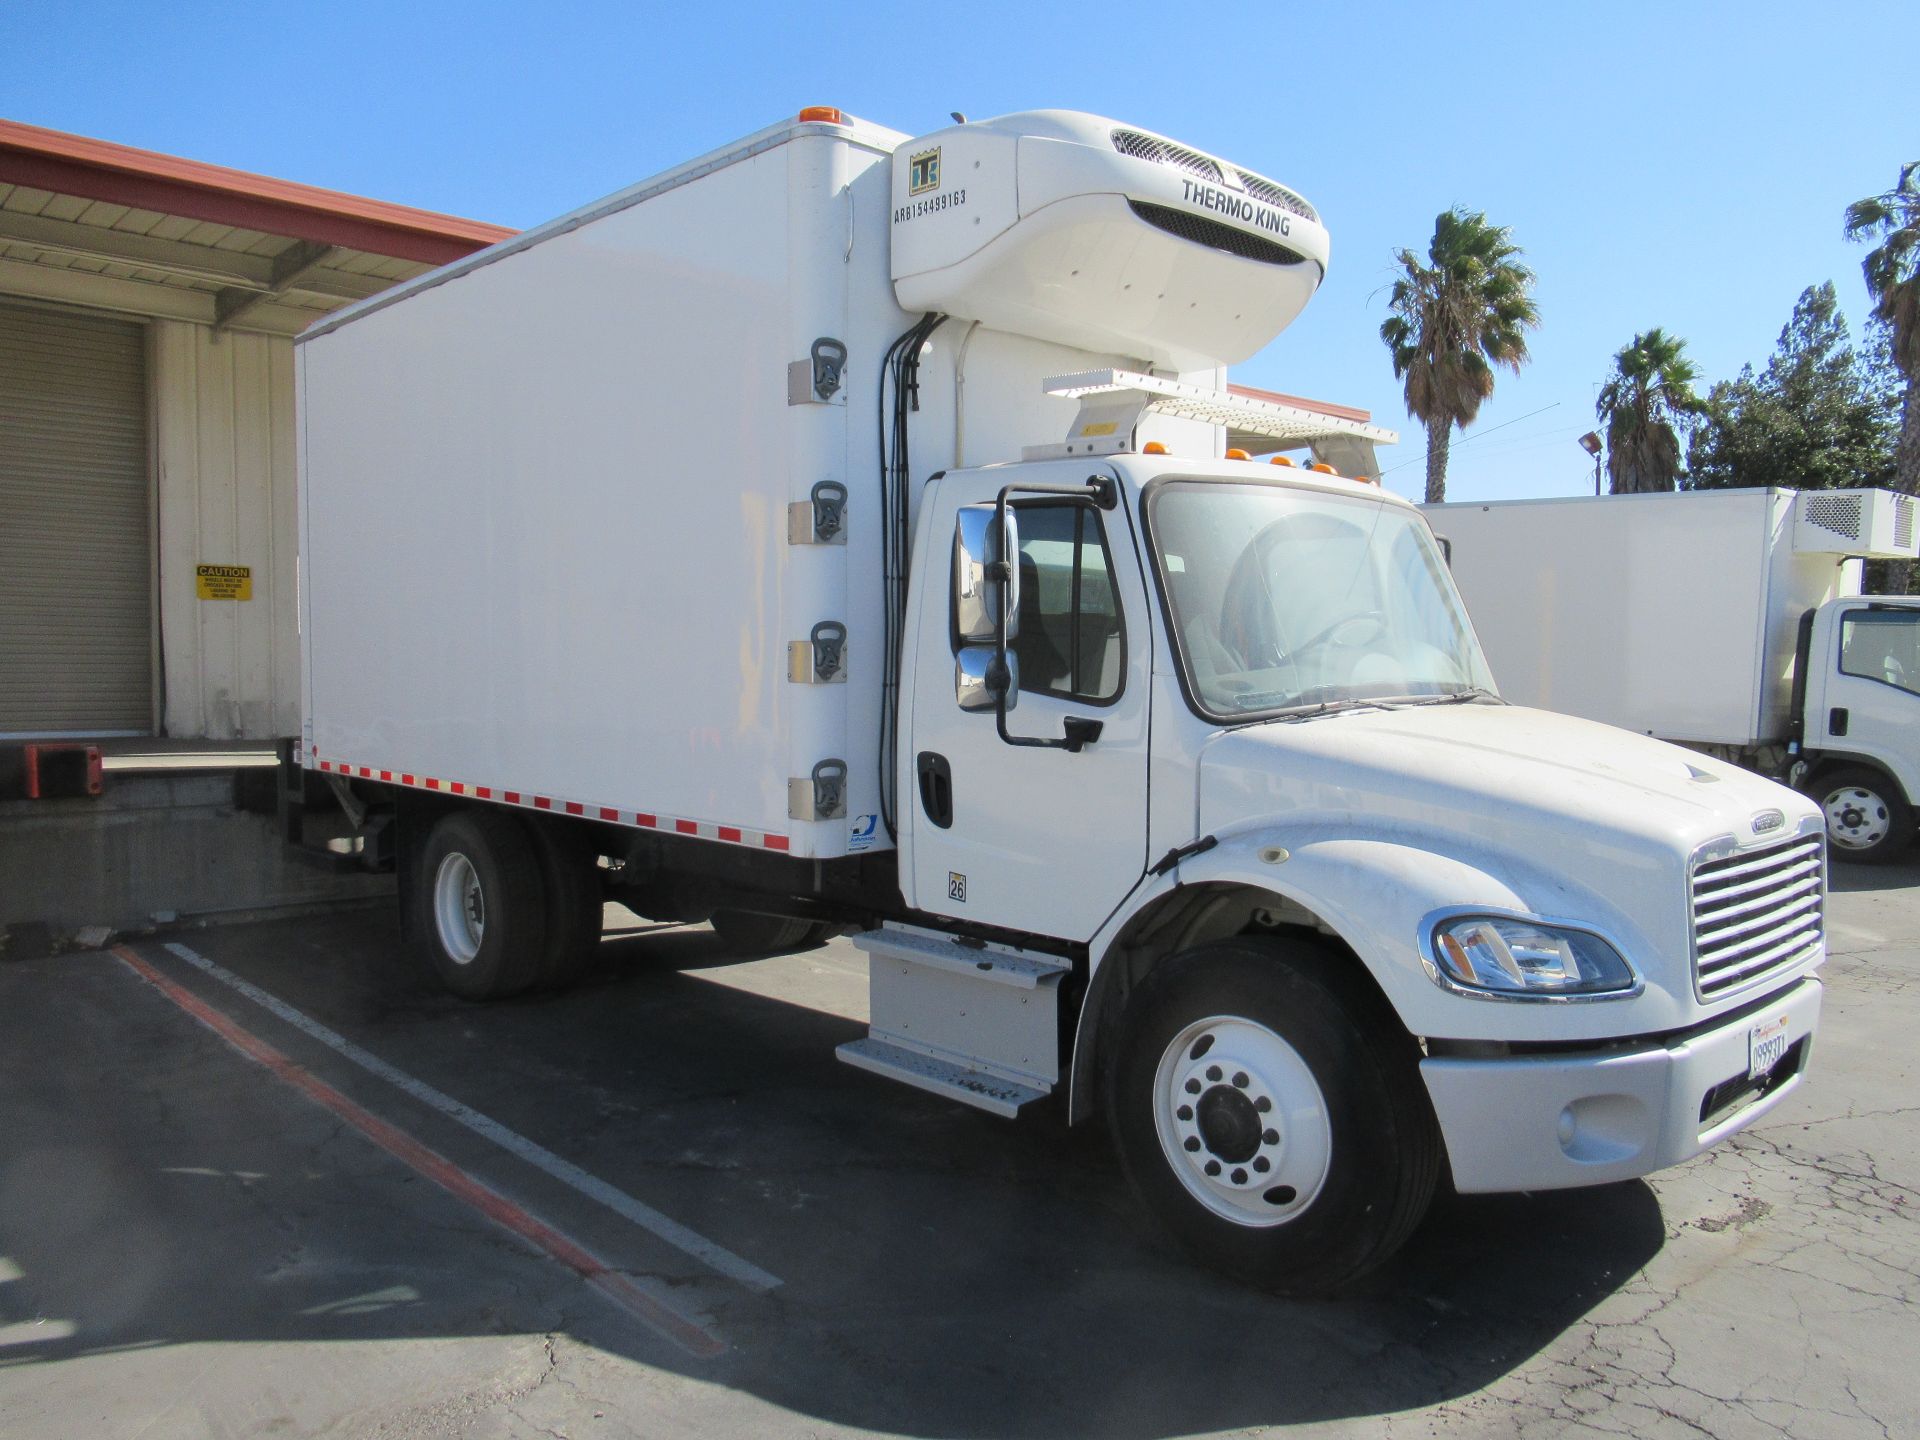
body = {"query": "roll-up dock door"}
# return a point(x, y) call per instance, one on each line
point(76, 587)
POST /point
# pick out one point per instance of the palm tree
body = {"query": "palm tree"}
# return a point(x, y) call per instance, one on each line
point(1453, 319)
point(1644, 405)
point(1893, 280)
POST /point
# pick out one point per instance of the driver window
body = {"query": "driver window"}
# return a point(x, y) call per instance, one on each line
point(1071, 643)
point(1882, 645)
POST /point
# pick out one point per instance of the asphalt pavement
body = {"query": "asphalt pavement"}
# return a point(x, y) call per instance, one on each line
point(267, 1180)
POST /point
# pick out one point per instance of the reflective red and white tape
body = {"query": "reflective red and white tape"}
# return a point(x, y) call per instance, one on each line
point(528, 800)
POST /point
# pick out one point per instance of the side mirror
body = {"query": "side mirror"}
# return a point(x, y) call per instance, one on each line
point(971, 669)
point(976, 595)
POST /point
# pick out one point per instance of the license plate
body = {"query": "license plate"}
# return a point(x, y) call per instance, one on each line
point(1766, 1043)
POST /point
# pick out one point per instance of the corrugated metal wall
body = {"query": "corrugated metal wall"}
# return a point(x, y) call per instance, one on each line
point(224, 448)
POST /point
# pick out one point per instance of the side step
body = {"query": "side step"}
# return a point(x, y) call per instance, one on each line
point(976, 1023)
point(911, 1067)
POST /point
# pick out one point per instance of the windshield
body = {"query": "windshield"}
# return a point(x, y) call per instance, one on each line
point(1285, 599)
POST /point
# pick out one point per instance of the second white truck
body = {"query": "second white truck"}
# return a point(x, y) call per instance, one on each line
point(838, 531)
point(1730, 621)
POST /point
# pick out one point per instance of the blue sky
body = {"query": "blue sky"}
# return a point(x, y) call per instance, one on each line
point(1681, 165)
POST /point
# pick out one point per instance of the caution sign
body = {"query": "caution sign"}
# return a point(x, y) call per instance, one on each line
point(223, 582)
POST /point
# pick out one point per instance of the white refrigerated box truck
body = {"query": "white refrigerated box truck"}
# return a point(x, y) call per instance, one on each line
point(838, 531)
point(1730, 621)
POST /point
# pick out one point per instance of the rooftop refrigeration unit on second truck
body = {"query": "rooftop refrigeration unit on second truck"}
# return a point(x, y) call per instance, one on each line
point(736, 546)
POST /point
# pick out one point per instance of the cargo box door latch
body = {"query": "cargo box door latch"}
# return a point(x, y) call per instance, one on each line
point(821, 660)
point(820, 796)
point(821, 520)
point(816, 380)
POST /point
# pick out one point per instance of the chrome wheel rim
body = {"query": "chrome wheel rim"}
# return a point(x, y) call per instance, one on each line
point(1242, 1121)
point(459, 908)
point(1857, 819)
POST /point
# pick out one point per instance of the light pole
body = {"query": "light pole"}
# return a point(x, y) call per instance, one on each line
point(1590, 442)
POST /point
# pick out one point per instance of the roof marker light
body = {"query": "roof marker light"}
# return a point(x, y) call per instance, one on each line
point(1153, 447)
point(1281, 460)
point(822, 115)
point(1238, 455)
point(1320, 468)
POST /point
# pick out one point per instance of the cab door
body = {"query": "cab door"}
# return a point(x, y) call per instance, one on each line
point(1046, 841)
point(1871, 704)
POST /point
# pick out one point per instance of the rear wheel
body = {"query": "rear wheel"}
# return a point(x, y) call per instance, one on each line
point(483, 920)
point(576, 903)
point(746, 933)
point(1868, 820)
point(1268, 1110)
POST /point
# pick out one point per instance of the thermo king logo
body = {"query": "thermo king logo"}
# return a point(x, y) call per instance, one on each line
point(923, 172)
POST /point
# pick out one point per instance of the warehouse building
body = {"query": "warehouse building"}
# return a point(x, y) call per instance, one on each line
point(147, 309)
point(147, 490)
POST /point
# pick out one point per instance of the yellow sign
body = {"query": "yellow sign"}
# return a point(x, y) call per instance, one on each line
point(223, 582)
point(1104, 427)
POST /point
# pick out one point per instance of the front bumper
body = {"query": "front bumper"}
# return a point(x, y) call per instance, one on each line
point(1551, 1122)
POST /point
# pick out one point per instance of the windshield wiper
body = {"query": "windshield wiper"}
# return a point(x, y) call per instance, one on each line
point(1458, 697)
point(1328, 707)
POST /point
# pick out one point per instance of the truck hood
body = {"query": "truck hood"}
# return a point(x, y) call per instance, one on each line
point(1491, 775)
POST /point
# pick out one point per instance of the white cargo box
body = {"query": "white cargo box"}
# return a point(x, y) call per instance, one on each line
point(546, 496)
point(1674, 615)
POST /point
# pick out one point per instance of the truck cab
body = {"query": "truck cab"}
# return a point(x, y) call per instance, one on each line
point(1859, 719)
point(1203, 762)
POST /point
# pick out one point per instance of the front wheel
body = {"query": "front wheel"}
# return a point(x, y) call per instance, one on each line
point(1268, 1109)
point(1868, 820)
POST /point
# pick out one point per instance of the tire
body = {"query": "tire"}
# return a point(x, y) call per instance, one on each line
point(745, 933)
point(482, 917)
point(576, 903)
point(1869, 821)
point(1244, 1054)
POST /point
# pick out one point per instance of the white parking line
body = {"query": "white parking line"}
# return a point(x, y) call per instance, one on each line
point(715, 1257)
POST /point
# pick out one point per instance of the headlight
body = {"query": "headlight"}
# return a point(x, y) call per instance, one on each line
point(1518, 959)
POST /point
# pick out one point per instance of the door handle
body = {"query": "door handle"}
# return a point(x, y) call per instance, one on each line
point(1837, 720)
point(936, 787)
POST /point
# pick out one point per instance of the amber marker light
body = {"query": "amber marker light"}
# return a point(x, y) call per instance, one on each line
point(1320, 468)
point(1238, 455)
point(1153, 447)
point(822, 115)
point(1281, 460)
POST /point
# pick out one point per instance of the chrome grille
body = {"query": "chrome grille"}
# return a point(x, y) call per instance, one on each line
point(1755, 912)
point(1142, 146)
point(1262, 188)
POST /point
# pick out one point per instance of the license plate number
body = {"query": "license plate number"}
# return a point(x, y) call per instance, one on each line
point(1766, 1044)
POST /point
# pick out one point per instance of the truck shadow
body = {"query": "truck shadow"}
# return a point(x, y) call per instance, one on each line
point(1902, 874)
point(946, 1273)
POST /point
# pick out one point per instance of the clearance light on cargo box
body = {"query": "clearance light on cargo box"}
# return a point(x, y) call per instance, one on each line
point(822, 115)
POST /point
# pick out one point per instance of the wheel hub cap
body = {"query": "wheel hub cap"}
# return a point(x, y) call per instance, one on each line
point(1229, 1125)
point(1856, 818)
point(1242, 1121)
point(459, 908)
